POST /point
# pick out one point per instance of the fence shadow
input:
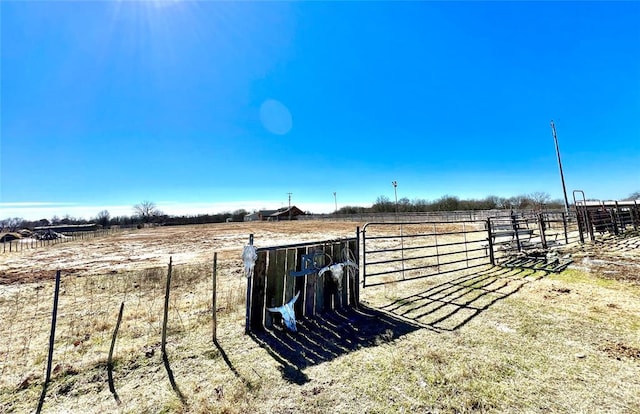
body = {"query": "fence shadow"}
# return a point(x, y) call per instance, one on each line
point(323, 337)
point(452, 304)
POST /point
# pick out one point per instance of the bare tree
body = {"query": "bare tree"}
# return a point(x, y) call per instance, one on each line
point(634, 196)
point(383, 204)
point(146, 211)
point(540, 198)
point(11, 224)
point(103, 218)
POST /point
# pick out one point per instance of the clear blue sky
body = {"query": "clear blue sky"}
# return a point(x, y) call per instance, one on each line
point(217, 105)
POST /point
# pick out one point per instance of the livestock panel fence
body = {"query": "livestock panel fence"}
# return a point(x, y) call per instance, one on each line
point(283, 272)
point(599, 217)
point(400, 251)
point(394, 252)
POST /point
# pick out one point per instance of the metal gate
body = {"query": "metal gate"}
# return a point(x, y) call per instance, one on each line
point(599, 217)
point(393, 252)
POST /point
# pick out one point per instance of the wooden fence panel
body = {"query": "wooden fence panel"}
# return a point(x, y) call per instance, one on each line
point(257, 292)
point(300, 283)
point(335, 295)
point(275, 283)
point(310, 294)
point(320, 281)
point(354, 290)
point(344, 293)
point(290, 281)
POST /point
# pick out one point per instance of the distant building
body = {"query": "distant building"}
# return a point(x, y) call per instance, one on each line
point(284, 213)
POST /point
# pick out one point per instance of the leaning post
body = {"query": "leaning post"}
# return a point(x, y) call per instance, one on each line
point(51, 342)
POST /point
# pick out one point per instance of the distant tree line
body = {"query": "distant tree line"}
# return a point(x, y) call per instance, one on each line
point(384, 204)
point(145, 212)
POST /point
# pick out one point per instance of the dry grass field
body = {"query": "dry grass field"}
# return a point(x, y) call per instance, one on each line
point(487, 340)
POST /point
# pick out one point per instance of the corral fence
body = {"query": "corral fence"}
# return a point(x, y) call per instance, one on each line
point(19, 243)
point(526, 231)
point(597, 217)
point(282, 272)
point(424, 216)
point(394, 252)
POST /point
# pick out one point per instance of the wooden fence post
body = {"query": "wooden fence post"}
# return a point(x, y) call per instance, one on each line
point(51, 342)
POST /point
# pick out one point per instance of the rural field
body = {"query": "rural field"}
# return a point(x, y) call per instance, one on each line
point(488, 339)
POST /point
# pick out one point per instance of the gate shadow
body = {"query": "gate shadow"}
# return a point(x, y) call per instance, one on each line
point(452, 304)
point(324, 337)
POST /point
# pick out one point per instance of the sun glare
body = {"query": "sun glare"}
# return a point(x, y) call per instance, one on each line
point(165, 3)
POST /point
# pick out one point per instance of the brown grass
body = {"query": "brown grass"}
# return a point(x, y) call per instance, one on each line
point(492, 340)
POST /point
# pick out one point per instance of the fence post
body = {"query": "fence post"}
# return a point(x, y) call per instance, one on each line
point(163, 344)
point(112, 388)
point(364, 256)
point(357, 276)
point(490, 241)
point(582, 224)
point(541, 226)
point(564, 225)
point(514, 224)
point(249, 289)
point(51, 342)
point(615, 217)
point(213, 296)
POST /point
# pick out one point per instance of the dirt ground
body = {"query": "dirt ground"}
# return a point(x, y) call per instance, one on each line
point(151, 247)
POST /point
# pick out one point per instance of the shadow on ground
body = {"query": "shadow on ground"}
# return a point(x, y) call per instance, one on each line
point(445, 306)
point(450, 305)
point(327, 336)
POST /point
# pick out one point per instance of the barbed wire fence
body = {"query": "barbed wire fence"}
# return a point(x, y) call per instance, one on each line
point(88, 308)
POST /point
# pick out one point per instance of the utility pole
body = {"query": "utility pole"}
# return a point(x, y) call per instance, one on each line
point(564, 188)
point(335, 200)
point(395, 190)
point(289, 206)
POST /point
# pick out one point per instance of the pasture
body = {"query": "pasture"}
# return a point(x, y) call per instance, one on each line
point(487, 339)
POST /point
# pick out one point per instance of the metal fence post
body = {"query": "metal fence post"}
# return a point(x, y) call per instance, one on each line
point(490, 240)
point(514, 224)
point(541, 226)
point(564, 225)
point(364, 256)
point(52, 337)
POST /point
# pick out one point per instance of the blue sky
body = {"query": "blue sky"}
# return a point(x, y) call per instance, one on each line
point(210, 106)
